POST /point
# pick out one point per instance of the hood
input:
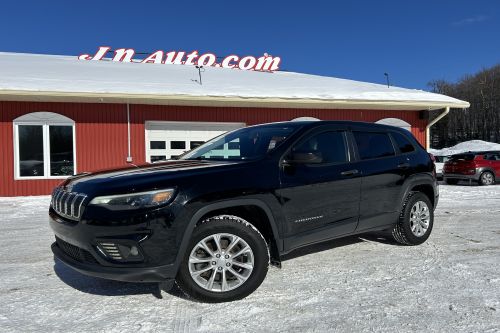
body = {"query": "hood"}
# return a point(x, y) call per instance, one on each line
point(145, 177)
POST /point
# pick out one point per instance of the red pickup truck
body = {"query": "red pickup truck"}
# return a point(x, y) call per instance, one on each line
point(482, 167)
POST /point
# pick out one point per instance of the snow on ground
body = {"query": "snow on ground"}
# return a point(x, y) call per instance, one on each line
point(359, 284)
point(472, 145)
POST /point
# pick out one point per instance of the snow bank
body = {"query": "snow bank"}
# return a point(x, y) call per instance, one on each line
point(473, 145)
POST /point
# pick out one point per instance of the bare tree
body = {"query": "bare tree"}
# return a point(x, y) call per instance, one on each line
point(481, 121)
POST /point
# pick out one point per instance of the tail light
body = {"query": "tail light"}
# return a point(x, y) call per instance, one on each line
point(433, 159)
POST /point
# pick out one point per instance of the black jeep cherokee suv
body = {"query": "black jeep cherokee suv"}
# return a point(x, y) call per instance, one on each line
point(215, 218)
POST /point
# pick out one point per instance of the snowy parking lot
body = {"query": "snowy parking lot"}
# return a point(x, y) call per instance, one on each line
point(449, 284)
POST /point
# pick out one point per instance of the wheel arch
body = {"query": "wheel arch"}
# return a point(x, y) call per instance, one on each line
point(421, 183)
point(237, 207)
point(487, 168)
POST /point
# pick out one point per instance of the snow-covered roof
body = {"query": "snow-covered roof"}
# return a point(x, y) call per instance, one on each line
point(34, 77)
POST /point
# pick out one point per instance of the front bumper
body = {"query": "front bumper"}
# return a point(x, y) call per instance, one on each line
point(134, 274)
point(78, 246)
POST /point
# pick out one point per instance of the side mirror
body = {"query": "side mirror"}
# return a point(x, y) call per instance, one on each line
point(304, 158)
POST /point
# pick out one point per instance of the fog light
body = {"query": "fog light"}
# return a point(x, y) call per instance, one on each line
point(134, 251)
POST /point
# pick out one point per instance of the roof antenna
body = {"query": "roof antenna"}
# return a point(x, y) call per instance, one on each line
point(200, 70)
point(387, 79)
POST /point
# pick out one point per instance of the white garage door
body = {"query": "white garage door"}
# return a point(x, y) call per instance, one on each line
point(165, 140)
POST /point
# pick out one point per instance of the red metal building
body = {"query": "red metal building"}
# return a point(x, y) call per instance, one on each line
point(57, 120)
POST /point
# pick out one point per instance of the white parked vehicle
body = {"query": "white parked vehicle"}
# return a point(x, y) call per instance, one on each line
point(440, 160)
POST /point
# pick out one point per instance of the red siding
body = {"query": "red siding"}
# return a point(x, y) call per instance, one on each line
point(101, 131)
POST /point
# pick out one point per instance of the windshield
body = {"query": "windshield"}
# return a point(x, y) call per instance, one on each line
point(248, 143)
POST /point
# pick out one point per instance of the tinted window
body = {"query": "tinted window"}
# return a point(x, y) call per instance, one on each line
point(157, 145)
point(31, 150)
point(373, 145)
point(403, 143)
point(61, 150)
point(492, 157)
point(177, 145)
point(463, 157)
point(329, 147)
point(156, 158)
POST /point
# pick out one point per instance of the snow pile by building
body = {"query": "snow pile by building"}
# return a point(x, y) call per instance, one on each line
point(473, 145)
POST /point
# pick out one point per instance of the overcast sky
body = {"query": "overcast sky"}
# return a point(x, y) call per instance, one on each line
point(413, 41)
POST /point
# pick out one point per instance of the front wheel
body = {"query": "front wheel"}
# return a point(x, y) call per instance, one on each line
point(487, 178)
point(415, 220)
point(227, 259)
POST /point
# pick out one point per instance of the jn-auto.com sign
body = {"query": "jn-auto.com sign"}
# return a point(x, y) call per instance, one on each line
point(263, 63)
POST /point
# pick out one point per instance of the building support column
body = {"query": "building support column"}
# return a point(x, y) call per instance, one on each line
point(129, 155)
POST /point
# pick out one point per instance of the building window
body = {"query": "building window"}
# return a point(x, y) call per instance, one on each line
point(44, 146)
point(157, 145)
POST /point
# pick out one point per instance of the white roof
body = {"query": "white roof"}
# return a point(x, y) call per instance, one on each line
point(34, 77)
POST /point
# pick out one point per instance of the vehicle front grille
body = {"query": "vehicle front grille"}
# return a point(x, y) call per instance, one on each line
point(68, 204)
point(75, 252)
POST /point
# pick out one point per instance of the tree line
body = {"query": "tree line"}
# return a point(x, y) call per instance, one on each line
point(479, 122)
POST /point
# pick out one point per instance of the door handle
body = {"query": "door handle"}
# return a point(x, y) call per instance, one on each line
point(349, 172)
point(403, 165)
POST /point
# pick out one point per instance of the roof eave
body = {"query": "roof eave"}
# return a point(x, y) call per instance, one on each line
point(218, 101)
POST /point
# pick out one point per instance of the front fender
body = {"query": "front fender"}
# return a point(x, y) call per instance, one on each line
point(221, 205)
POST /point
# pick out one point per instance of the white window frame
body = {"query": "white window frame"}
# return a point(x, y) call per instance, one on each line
point(44, 119)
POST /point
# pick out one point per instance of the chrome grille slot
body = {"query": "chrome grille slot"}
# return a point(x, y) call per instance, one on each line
point(111, 250)
point(68, 204)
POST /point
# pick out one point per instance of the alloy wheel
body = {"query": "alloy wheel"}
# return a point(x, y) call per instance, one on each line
point(487, 178)
point(221, 262)
point(419, 218)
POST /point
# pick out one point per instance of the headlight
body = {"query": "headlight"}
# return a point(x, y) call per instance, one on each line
point(134, 200)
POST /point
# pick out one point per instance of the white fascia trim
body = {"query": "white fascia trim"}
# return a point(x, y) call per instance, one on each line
point(54, 96)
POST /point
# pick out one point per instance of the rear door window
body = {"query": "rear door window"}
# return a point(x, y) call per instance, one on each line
point(373, 145)
point(403, 143)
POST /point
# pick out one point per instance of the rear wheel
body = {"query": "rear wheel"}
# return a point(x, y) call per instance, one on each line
point(415, 221)
point(452, 181)
point(487, 178)
point(227, 259)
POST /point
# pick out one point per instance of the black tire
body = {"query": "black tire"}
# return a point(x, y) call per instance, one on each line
point(452, 181)
point(244, 230)
point(485, 179)
point(402, 232)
